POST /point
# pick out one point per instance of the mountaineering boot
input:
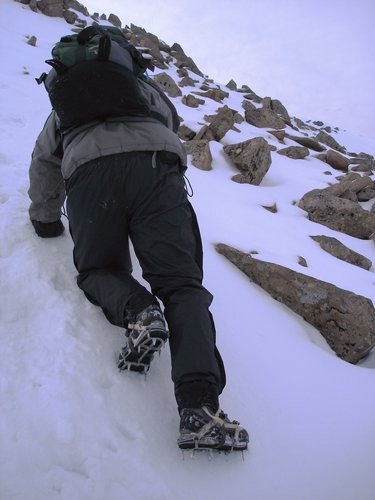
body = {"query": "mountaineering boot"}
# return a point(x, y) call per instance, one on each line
point(202, 428)
point(203, 424)
point(146, 335)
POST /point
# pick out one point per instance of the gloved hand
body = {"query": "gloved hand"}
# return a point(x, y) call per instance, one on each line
point(48, 229)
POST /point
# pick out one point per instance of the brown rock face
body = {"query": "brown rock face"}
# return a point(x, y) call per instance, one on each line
point(346, 320)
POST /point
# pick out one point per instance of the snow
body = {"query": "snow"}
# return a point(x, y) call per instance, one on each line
point(73, 428)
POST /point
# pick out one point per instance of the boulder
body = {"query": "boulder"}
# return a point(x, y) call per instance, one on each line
point(231, 85)
point(167, 84)
point(339, 214)
point(52, 8)
point(220, 124)
point(264, 117)
point(307, 142)
point(278, 108)
point(252, 158)
point(346, 320)
point(182, 60)
point(200, 152)
point(186, 81)
point(141, 38)
point(70, 16)
point(115, 20)
point(337, 161)
point(185, 133)
point(192, 101)
point(328, 140)
point(294, 152)
point(334, 247)
point(252, 96)
point(74, 4)
point(216, 94)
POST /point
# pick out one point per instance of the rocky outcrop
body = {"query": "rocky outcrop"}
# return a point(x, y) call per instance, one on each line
point(346, 320)
point(200, 152)
point(252, 158)
point(334, 247)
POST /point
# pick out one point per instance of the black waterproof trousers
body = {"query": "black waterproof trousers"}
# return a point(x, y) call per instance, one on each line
point(142, 196)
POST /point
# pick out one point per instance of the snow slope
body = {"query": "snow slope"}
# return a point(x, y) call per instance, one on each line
point(73, 428)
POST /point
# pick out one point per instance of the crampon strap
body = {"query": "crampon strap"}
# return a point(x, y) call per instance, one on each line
point(217, 421)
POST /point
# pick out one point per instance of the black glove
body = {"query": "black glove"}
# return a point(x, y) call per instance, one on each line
point(48, 229)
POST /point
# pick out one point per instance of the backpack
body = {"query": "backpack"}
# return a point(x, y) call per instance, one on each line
point(94, 76)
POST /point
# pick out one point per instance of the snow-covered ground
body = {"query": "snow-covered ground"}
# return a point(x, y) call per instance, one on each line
point(73, 428)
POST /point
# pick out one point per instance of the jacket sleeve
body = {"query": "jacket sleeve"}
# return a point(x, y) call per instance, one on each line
point(47, 189)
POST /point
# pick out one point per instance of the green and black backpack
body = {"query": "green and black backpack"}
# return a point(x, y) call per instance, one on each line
point(95, 75)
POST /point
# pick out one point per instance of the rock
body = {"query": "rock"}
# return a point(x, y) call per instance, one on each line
point(271, 208)
point(279, 134)
point(205, 87)
point(346, 320)
point(70, 16)
point(115, 20)
point(337, 161)
point(51, 8)
point(252, 158)
point(74, 4)
point(200, 152)
point(307, 142)
point(167, 84)
point(32, 41)
point(192, 101)
point(183, 61)
point(141, 38)
point(363, 168)
point(337, 213)
point(215, 94)
point(352, 184)
point(231, 85)
point(302, 125)
point(366, 194)
point(33, 5)
point(329, 141)
point(187, 82)
point(264, 117)
point(342, 252)
point(302, 261)
point(185, 133)
point(252, 96)
point(278, 108)
point(220, 124)
point(294, 152)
